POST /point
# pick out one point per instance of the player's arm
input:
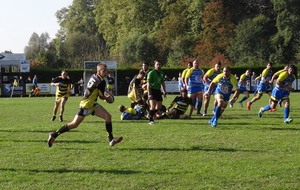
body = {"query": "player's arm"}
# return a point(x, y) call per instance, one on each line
point(235, 88)
point(186, 79)
point(208, 74)
point(55, 83)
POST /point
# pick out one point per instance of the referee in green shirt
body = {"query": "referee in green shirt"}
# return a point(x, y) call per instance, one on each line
point(155, 87)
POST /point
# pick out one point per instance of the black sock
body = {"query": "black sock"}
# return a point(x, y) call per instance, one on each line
point(151, 114)
point(108, 126)
point(63, 129)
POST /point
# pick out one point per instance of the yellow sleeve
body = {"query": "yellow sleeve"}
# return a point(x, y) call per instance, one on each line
point(279, 72)
point(243, 76)
point(189, 73)
point(234, 82)
point(210, 72)
point(282, 76)
point(218, 78)
point(184, 73)
point(265, 72)
point(257, 78)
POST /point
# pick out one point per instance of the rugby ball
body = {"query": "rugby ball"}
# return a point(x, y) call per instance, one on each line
point(110, 97)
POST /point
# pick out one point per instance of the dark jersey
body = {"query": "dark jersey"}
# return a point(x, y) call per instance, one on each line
point(110, 80)
point(95, 88)
point(182, 103)
point(64, 87)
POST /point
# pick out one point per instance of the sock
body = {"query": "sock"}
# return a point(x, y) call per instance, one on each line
point(199, 105)
point(286, 112)
point(151, 114)
point(63, 129)
point(194, 101)
point(217, 112)
point(243, 99)
point(267, 108)
point(108, 126)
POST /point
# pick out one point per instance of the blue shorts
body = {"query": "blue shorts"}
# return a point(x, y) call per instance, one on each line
point(212, 91)
point(264, 87)
point(278, 94)
point(195, 90)
point(225, 96)
point(243, 89)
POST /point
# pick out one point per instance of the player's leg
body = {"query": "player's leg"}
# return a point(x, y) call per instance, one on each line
point(199, 102)
point(79, 117)
point(56, 106)
point(104, 114)
point(62, 108)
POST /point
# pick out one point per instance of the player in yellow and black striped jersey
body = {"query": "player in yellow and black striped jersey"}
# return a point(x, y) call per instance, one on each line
point(63, 85)
point(89, 106)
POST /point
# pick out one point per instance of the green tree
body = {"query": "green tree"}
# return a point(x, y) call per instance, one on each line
point(36, 49)
point(286, 40)
point(251, 45)
point(217, 32)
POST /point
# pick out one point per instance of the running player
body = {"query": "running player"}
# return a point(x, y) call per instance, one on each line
point(264, 85)
point(63, 90)
point(243, 83)
point(195, 86)
point(281, 92)
point(208, 77)
point(275, 76)
point(226, 82)
point(89, 106)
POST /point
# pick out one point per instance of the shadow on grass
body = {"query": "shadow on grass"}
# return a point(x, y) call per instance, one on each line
point(56, 142)
point(284, 129)
point(193, 148)
point(32, 131)
point(71, 171)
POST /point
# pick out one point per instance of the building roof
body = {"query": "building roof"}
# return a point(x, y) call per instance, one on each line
point(13, 56)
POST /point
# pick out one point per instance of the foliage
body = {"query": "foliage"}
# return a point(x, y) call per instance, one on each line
point(131, 31)
point(216, 34)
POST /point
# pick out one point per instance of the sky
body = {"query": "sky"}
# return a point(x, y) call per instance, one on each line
point(19, 19)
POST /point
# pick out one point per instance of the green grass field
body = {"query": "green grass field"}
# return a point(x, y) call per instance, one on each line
point(243, 152)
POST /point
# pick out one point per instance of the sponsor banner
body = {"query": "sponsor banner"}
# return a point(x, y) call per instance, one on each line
point(10, 90)
point(45, 88)
point(24, 66)
point(172, 86)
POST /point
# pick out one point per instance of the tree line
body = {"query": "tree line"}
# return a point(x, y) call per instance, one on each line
point(240, 32)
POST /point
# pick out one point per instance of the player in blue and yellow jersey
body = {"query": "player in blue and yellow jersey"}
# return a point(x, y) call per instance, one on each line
point(281, 92)
point(226, 83)
point(244, 81)
point(194, 85)
point(182, 85)
point(207, 78)
point(275, 76)
point(264, 85)
point(89, 106)
point(63, 85)
point(129, 113)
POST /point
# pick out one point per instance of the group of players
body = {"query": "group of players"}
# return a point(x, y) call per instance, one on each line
point(197, 86)
point(147, 90)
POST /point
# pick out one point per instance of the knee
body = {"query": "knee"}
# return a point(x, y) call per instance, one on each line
point(108, 117)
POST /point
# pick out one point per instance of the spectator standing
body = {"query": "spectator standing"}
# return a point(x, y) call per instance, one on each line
point(34, 83)
point(110, 83)
point(80, 87)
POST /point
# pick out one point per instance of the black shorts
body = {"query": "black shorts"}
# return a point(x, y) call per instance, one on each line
point(156, 95)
